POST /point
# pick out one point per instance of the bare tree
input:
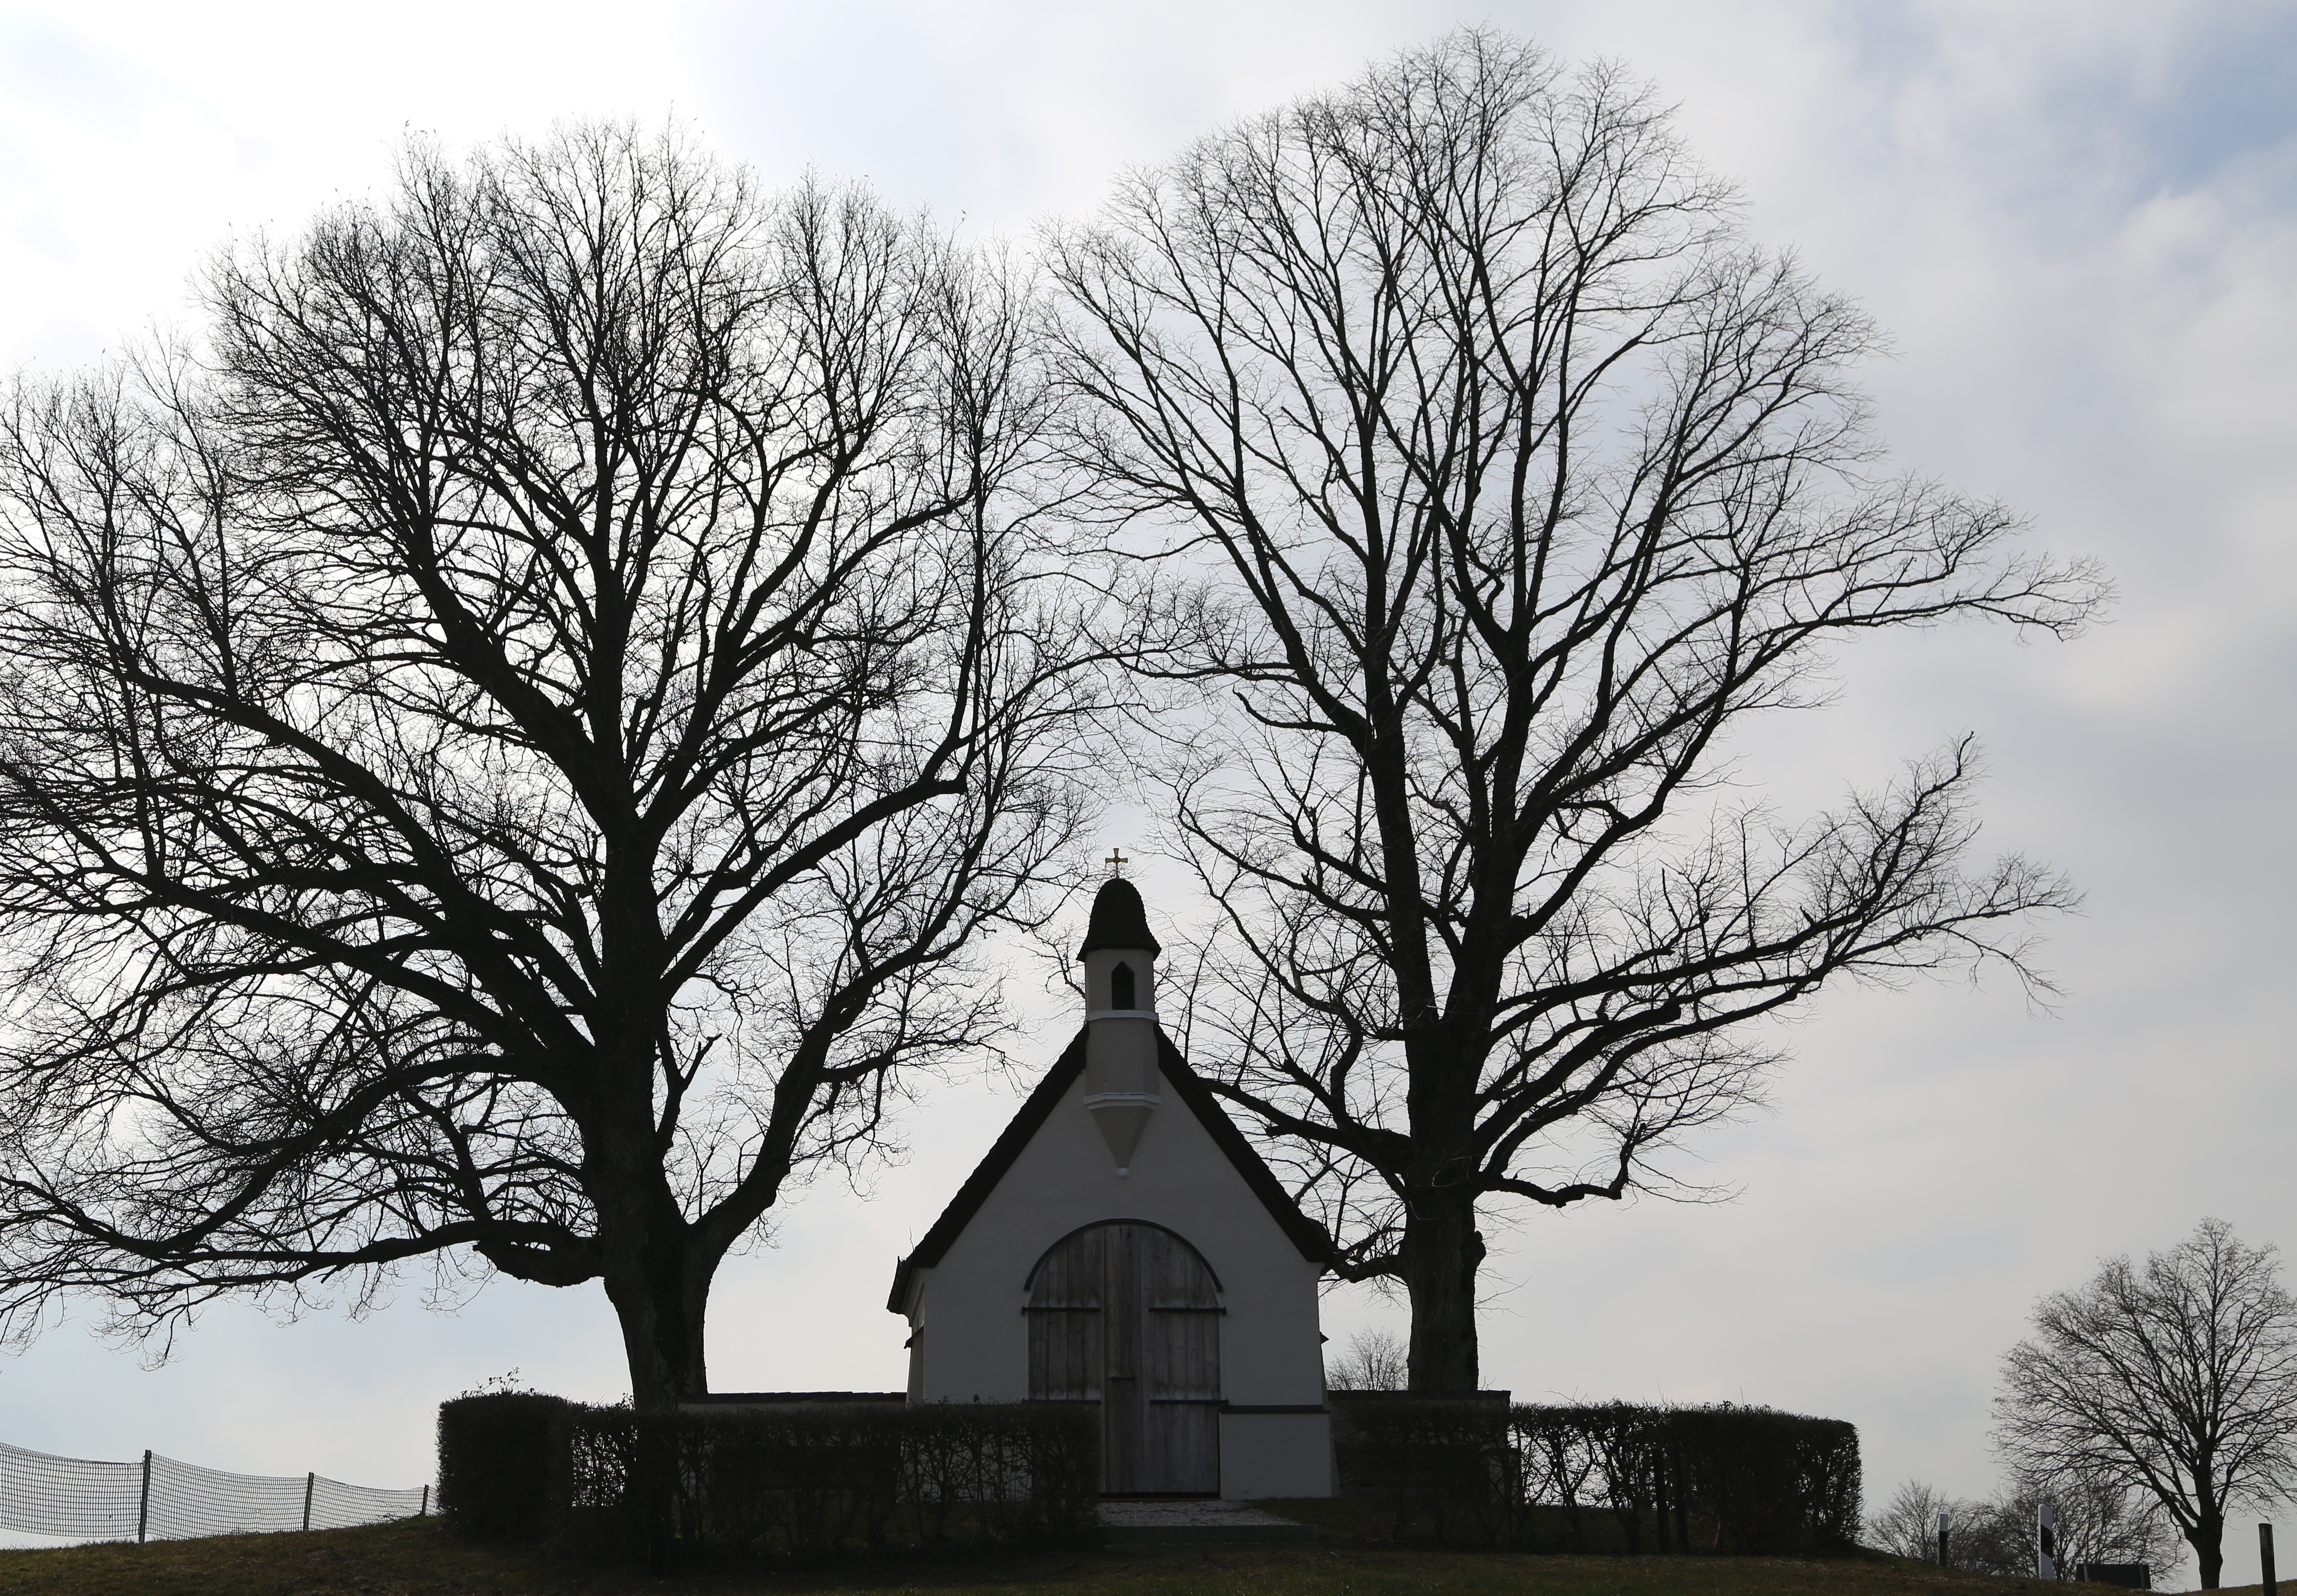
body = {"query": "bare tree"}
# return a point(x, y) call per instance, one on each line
point(506, 748)
point(1372, 1360)
point(1907, 1526)
point(2097, 1521)
point(1492, 478)
point(2177, 1380)
point(2094, 1521)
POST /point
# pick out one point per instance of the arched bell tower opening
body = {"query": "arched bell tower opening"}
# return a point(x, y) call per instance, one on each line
point(1127, 1315)
point(1120, 988)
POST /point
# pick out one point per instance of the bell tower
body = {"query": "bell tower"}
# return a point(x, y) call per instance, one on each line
point(1121, 1077)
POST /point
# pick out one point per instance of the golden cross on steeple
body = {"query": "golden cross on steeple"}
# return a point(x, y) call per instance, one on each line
point(1115, 862)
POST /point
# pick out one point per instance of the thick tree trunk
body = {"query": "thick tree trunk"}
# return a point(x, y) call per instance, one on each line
point(662, 1307)
point(1442, 1252)
point(660, 1288)
point(2207, 1539)
point(654, 1272)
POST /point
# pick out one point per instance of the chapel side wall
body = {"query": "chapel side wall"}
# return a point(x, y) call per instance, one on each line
point(975, 1343)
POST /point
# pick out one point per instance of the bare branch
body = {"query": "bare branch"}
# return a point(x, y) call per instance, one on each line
point(1488, 475)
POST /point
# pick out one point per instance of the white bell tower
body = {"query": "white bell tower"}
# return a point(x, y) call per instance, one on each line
point(1121, 1077)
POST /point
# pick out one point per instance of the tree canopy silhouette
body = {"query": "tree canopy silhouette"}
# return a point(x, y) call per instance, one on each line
point(507, 741)
point(2175, 1382)
point(1492, 477)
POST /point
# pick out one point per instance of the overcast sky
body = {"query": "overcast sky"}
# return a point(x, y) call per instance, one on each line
point(2080, 220)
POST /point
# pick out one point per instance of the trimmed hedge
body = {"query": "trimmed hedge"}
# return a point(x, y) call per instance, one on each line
point(502, 1463)
point(1473, 1470)
point(780, 1483)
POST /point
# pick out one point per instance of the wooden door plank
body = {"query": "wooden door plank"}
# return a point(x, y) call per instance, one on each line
point(1128, 1315)
point(1125, 1422)
point(1064, 1314)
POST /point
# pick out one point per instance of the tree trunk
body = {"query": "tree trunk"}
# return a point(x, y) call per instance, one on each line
point(2207, 1538)
point(660, 1289)
point(658, 1284)
point(1442, 1252)
point(662, 1315)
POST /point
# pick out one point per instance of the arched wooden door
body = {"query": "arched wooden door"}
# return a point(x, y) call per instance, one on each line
point(1127, 1315)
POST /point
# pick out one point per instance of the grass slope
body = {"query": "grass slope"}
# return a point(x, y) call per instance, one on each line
point(416, 1558)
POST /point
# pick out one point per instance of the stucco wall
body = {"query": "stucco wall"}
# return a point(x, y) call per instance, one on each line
point(974, 1340)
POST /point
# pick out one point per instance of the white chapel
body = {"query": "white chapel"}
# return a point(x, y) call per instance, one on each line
point(1123, 1244)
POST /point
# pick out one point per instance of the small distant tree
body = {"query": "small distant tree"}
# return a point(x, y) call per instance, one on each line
point(1372, 1360)
point(2097, 1521)
point(1907, 1525)
point(2176, 1380)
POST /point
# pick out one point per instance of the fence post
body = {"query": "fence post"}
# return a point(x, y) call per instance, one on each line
point(2265, 1560)
point(143, 1499)
point(425, 1510)
point(310, 1482)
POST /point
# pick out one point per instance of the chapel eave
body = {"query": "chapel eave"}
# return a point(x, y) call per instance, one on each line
point(1310, 1238)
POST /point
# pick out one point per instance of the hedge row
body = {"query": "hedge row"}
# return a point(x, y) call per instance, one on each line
point(803, 1483)
point(770, 1484)
point(1464, 1471)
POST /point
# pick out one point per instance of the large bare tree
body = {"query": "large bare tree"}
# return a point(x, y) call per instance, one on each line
point(1491, 478)
point(507, 743)
point(2176, 1381)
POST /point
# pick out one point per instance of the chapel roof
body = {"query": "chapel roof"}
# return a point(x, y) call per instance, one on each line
point(1119, 920)
point(1304, 1232)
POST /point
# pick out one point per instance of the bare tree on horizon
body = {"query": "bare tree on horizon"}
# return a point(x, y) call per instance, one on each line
point(1907, 1525)
point(2098, 1521)
point(1372, 1361)
point(509, 746)
point(2178, 1381)
point(1487, 477)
